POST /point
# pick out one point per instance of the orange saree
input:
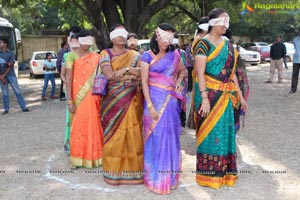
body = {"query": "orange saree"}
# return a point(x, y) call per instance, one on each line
point(86, 132)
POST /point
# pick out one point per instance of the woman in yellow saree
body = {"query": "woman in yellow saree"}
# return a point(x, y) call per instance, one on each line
point(217, 93)
point(86, 138)
point(122, 110)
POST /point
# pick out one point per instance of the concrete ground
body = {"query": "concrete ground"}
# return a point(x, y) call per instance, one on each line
point(33, 164)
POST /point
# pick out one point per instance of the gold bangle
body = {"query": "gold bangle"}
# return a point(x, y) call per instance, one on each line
point(69, 102)
point(203, 90)
point(149, 105)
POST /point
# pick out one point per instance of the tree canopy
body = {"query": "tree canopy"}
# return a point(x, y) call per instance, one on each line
point(260, 22)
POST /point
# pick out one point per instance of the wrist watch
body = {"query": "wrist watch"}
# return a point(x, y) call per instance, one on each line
point(127, 69)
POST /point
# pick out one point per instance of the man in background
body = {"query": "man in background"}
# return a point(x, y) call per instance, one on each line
point(296, 63)
point(277, 53)
point(60, 55)
point(8, 76)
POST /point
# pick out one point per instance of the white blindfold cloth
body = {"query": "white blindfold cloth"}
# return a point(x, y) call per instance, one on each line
point(132, 41)
point(220, 21)
point(118, 33)
point(74, 44)
point(164, 36)
point(175, 41)
point(203, 26)
point(87, 40)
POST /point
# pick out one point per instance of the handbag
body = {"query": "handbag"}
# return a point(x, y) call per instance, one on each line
point(100, 82)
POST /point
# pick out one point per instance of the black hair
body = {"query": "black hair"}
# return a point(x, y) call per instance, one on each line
point(130, 35)
point(110, 44)
point(75, 29)
point(279, 36)
point(74, 36)
point(115, 26)
point(84, 33)
point(215, 13)
point(63, 44)
point(176, 46)
point(203, 20)
point(5, 40)
point(228, 34)
point(153, 42)
point(47, 54)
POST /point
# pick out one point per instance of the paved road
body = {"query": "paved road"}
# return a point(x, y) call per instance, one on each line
point(33, 164)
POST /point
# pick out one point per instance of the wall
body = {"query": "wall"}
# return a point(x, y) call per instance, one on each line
point(39, 43)
point(30, 44)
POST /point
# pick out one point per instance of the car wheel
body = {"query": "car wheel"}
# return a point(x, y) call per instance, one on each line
point(32, 75)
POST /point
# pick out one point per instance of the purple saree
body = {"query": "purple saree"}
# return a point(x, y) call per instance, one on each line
point(162, 156)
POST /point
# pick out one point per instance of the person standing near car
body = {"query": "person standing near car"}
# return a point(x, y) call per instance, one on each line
point(8, 76)
point(60, 55)
point(296, 64)
point(49, 69)
point(277, 53)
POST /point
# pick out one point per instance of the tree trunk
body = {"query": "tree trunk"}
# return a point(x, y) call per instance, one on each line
point(93, 9)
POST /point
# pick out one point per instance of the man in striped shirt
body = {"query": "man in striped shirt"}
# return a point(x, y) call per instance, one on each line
point(296, 64)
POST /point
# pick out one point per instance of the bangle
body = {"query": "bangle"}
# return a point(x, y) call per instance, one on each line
point(69, 102)
point(203, 90)
point(149, 105)
point(127, 69)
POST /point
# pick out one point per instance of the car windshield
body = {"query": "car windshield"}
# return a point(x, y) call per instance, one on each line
point(262, 44)
point(42, 56)
point(265, 49)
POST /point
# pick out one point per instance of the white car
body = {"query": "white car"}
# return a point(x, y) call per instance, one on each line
point(252, 57)
point(290, 50)
point(36, 63)
point(144, 44)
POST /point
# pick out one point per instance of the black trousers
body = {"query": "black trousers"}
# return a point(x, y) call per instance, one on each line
point(190, 79)
point(295, 76)
point(62, 94)
point(183, 118)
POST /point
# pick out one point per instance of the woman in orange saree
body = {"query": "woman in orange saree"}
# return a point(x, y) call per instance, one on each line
point(122, 110)
point(86, 139)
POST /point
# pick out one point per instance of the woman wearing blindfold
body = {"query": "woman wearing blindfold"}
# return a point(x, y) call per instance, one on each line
point(217, 93)
point(86, 132)
point(121, 112)
point(162, 73)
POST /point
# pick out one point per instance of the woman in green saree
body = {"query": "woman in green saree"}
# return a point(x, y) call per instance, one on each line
point(217, 93)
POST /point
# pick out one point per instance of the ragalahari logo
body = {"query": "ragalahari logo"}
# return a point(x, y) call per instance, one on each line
point(246, 8)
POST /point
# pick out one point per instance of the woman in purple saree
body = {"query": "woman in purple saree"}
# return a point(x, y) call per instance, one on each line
point(162, 72)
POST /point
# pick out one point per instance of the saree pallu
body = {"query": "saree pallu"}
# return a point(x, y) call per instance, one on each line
point(68, 61)
point(216, 134)
point(86, 132)
point(67, 133)
point(162, 137)
point(122, 108)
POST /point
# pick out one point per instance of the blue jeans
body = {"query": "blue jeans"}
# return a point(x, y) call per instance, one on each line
point(12, 80)
point(48, 77)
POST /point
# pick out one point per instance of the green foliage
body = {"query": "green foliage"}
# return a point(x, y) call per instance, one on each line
point(33, 16)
